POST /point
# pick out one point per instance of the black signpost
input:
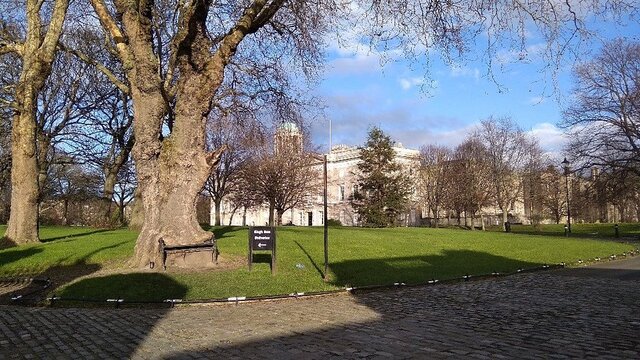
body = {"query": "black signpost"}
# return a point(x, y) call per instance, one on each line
point(262, 238)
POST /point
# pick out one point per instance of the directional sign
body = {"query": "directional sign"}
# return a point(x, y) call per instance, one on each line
point(262, 238)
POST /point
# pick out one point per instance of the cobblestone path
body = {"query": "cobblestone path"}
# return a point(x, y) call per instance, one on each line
point(584, 313)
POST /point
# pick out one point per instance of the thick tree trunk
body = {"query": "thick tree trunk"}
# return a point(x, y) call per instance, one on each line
point(23, 220)
point(505, 218)
point(280, 213)
point(110, 179)
point(169, 185)
point(436, 215)
point(65, 214)
point(271, 211)
point(137, 211)
point(217, 207)
point(37, 54)
point(171, 174)
point(42, 150)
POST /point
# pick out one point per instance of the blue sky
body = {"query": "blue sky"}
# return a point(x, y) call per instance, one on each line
point(360, 90)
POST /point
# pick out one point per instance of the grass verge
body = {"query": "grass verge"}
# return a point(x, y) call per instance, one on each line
point(90, 263)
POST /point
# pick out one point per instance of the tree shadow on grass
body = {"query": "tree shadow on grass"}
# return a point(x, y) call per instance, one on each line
point(9, 255)
point(626, 232)
point(39, 284)
point(420, 269)
point(133, 288)
point(86, 233)
point(310, 259)
point(220, 232)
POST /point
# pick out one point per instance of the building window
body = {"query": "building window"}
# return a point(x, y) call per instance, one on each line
point(321, 217)
point(341, 193)
point(301, 218)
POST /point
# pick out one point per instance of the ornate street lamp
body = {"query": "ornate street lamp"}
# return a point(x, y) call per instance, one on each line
point(565, 164)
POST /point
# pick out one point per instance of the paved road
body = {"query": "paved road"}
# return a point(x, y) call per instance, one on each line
point(587, 313)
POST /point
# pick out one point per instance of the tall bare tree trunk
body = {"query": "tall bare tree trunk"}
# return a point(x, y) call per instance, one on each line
point(217, 207)
point(37, 54)
point(473, 221)
point(436, 214)
point(110, 171)
point(279, 214)
point(271, 211)
point(23, 219)
point(505, 218)
point(110, 179)
point(137, 212)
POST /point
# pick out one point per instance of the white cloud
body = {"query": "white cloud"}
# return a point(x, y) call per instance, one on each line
point(407, 84)
point(359, 64)
point(551, 138)
point(417, 137)
point(464, 71)
point(531, 53)
point(536, 100)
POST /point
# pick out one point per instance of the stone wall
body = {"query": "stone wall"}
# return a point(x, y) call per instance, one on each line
point(75, 212)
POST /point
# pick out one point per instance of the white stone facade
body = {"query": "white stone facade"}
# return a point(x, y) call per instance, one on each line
point(342, 176)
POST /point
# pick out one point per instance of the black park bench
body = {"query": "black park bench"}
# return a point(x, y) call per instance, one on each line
point(207, 245)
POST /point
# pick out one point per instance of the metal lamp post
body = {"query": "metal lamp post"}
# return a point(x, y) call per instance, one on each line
point(324, 222)
point(565, 164)
point(325, 216)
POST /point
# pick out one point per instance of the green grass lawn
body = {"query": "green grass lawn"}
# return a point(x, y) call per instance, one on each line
point(357, 257)
point(578, 230)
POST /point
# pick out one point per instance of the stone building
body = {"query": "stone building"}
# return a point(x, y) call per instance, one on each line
point(342, 177)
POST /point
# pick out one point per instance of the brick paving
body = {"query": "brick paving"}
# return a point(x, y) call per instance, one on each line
point(585, 313)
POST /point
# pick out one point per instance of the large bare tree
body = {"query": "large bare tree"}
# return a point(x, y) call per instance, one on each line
point(172, 168)
point(177, 64)
point(472, 178)
point(37, 48)
point(554, 203)
point(284, 181)
point(603, 122)
point(509, 152)
point(433, 180)
point(241, 143)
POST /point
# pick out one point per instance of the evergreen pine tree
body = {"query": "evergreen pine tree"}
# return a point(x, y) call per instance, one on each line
point(383, 188)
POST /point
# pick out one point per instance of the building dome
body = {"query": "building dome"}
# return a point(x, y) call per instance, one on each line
point(288, 127)
point(288, 138)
